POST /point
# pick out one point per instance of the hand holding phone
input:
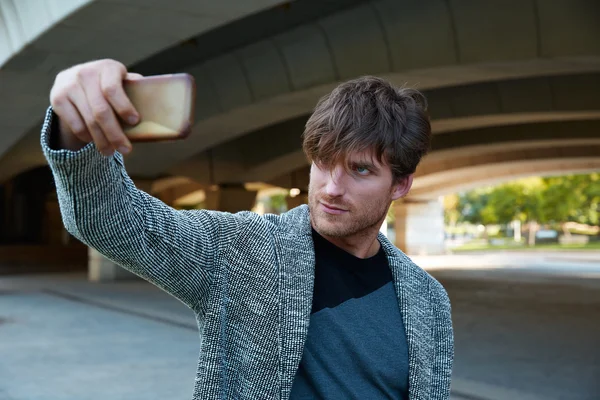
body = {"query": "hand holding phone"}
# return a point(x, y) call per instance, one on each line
point(101, 102)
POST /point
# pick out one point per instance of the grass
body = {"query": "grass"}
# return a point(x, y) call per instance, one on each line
point(478, 246)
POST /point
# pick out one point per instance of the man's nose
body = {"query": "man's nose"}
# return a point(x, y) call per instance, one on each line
point(335, 182)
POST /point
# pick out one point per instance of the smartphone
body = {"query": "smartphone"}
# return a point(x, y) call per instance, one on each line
point(165, 104)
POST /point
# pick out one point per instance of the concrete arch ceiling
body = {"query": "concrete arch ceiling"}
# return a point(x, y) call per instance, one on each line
point(489, 167)
point(506, 113)
point(564, 140)
point(496, 173)
point(281, 75)
point(39, 38)
point(467, 159)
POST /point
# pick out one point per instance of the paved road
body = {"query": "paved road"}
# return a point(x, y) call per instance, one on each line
point(516, 337)
point(59, 347)
point(518, 340)
point(527, 324)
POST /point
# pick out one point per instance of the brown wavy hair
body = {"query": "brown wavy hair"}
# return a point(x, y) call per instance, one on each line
point(369, 114)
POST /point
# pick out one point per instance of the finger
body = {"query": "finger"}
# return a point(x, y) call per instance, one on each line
point(111, 84)
point(132, 76)
point(69, 115)
point(79, 99)
point(106, 118)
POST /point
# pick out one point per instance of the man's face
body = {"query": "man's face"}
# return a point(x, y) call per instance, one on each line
point(346, 203)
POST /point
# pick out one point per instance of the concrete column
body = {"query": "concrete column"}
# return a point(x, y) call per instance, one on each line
point(230, 199)
point(419, 227)
point(101, 269)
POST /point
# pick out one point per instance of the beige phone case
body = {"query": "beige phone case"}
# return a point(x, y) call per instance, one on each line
point(165, 104)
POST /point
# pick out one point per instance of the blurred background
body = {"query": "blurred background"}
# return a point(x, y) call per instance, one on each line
point(504, 211)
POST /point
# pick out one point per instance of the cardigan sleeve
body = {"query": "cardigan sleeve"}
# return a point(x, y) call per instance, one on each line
point(101, 206)
point(443, 341)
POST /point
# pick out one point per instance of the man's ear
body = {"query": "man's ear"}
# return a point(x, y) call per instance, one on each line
point(401, 187)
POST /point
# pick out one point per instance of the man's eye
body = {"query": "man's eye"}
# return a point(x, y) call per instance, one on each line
point(362, 170)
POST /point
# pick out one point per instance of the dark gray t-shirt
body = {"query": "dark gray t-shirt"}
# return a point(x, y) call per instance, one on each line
point(356, 346)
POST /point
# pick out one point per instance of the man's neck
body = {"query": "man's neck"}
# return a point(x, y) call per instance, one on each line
point(361, 245)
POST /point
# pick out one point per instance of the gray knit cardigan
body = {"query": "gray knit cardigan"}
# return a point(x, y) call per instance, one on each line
point(248, 278)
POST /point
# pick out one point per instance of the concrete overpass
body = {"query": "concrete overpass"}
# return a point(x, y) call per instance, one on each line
point(512, 86)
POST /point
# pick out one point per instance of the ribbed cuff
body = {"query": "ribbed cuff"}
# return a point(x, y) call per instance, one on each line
point(78, 174)
point(49, 142)
point(60, 160)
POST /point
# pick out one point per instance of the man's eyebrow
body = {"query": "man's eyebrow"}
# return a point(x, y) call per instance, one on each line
point(365, 164)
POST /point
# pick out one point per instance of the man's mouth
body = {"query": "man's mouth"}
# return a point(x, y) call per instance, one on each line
point(332, 209)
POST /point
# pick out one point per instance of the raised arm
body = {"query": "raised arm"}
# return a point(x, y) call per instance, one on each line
point(100, 205)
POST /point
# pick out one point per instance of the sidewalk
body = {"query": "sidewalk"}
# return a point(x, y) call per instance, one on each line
point(63, 338)
point(134, 297)
point(579, 268)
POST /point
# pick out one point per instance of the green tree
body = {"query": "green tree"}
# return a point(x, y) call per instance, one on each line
point(503, 204)
point(451, 209)
point(573, 198)
point(592, 195)
point(470, 205)
point(533, 201)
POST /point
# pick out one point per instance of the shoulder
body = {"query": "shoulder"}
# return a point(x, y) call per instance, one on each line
point(295, 221)
point(426, 282)
point(226, 227)
point(437, 292)
point(438, 296)
point(259, 226)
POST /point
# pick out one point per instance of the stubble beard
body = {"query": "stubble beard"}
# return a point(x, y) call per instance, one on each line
point(358, 221)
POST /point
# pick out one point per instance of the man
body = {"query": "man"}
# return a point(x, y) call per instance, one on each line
point(314, 303)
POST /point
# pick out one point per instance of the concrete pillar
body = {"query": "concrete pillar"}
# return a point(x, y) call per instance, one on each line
point(230, 199)
point(101, 269)
point(419, 227)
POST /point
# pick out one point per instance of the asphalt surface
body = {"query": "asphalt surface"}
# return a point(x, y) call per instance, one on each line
point(526, 333)
point(56, 345)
